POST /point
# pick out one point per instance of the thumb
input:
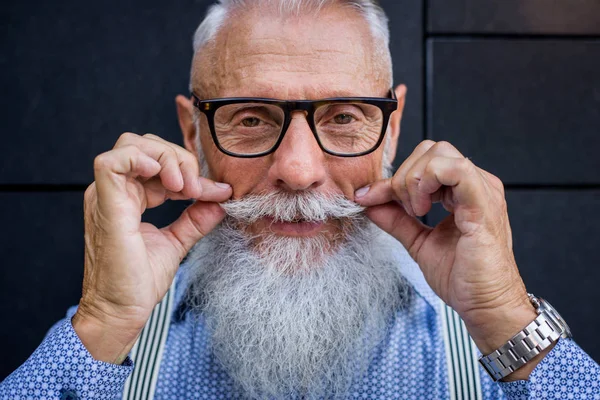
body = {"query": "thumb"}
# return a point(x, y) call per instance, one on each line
point(392, 218)
point(192, 225)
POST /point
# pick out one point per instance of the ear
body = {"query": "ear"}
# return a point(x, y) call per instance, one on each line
point(395, 120)
point(185, 112)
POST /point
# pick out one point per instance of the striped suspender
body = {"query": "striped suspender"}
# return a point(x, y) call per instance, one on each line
point(461, 354)
point(461, 357)
point(148, 350)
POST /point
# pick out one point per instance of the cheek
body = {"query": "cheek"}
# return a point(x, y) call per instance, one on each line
point(353, 173)
point(244, 175)
point(209, 151)
point(223, 168)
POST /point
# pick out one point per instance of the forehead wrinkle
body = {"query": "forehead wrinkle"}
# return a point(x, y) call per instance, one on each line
point(284, 90)
point(290, 69)
point(309, 69)
point(244, 53)
point(295, 56)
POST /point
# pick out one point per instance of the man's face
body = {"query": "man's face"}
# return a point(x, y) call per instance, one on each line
point(293, 59)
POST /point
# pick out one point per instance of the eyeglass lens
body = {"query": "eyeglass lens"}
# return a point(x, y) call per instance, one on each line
point(251, 128)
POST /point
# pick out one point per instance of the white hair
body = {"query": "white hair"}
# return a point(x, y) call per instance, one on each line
point(294, 317)
point(369, 9)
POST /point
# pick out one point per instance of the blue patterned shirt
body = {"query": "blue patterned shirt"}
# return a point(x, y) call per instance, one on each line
point(411, 363)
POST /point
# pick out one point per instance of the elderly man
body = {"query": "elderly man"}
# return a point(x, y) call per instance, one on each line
point(301, 269)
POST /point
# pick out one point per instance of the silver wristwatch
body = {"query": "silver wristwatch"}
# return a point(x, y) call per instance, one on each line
point(545, 329)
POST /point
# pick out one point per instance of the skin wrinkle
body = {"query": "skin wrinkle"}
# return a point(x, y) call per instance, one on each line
point(305, 67)
point(324, 82)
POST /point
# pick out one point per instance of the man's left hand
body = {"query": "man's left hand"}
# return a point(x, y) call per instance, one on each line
point(467, 259)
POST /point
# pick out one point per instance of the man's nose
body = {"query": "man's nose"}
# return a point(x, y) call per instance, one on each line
point(298, 162)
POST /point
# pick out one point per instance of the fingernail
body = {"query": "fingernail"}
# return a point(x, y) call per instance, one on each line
point(223, 185)
point(362, 191)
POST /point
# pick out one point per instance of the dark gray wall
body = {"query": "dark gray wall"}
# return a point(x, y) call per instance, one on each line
point(513, 84)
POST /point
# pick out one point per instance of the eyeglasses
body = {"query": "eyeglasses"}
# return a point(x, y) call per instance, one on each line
point(253, 127)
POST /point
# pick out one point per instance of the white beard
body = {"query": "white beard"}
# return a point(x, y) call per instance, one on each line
point(296, 318)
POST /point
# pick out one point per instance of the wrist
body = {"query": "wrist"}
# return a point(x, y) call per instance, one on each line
point(519, 354)
point(106, 339)
point(492, 328)
point(522, 374)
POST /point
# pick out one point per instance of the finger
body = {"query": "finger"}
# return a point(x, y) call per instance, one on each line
point(180, 167)
point(399, 178)
point(188, 162)
point(214, 191)
point(192, 225)
point(378, 192)
point(394, 219)
point(171, 173)
point(419, 201)
point(112, 168)
point(157, 194)
point(458, 173)
point(382, 191)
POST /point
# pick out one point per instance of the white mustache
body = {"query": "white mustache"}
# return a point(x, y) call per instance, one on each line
point(311, 206)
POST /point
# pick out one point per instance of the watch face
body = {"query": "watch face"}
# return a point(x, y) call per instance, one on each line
point(555, 316)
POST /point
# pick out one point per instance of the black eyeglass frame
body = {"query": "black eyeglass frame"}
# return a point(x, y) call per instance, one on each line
point(210, 106)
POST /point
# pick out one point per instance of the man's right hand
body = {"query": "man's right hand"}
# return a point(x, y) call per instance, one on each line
point(130, 265)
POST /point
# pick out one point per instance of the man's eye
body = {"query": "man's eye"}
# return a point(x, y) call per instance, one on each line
point(343, 119)
point(250, 122)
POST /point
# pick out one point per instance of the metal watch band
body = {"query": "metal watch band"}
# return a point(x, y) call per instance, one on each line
point(525, 345)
